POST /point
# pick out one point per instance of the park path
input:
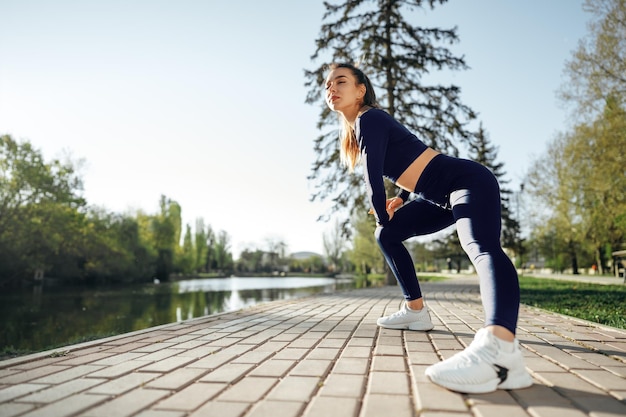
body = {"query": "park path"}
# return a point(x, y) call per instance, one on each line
point(320, 356)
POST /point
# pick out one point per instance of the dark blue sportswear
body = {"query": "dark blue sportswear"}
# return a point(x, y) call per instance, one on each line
point(450, 191)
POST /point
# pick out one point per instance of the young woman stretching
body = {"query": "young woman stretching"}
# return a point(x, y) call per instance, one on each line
point(451, 191)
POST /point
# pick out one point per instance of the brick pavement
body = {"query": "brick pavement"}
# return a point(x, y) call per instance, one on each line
point(317, 357)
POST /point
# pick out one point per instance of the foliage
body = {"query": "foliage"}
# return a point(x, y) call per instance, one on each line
point(39, 203)
point(596, 70)
point(579, 183)
point(604, 304)
point(365, 254)
point(334, 247)
point(46, 228)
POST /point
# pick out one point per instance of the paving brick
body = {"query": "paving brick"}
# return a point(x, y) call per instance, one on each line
point(396, 383)
point(153, 347)
point(343, 385)
point(291, 353)
point(389, 363)
point(76, 359)
point(191, 397)
point(121, 358)
point(356, 352)
point(253, 357)
point(159, 355)
point(304, 343)
point(230, 373)
point(542, 401)
point(16, 391)
point(323, 353)
point(429, 396)
point(346, 365)
point(376, 405)
point(332, 406)
point(117, 370)
point(57, 392)
point(127, 404)
point(161, 413)
point(362, 342)
point(41, 362)
point(123, 384)
point(269, 409)
point(167, 365)
point(602, 379)
point(271, 346)
point(177, 379)
point(68, 374)
point(249, 389)
point(14, 409)
point(32, 374)
point(200, 351)
point(221, 409)
point(295, 388)
point(311, 367)
point(127, 347)
point(76, 404)
point(273, 368)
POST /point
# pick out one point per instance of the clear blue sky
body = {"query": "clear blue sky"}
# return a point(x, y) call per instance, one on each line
point(203, 101)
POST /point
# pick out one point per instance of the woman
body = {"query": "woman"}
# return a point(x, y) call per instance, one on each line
point(451, 191)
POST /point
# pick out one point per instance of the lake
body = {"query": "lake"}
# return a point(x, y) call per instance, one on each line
point(44, 317)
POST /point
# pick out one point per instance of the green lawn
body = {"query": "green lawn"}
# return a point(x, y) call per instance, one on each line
point(604, 304)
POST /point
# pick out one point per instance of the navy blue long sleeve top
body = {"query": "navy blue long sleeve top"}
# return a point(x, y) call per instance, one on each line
point(387, 150)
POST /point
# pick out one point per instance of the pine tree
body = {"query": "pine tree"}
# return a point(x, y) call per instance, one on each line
point(396, 55)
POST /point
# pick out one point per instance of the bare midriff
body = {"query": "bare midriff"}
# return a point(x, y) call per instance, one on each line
point(410, 176)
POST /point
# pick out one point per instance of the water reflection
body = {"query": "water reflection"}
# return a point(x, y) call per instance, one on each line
point(45, 317)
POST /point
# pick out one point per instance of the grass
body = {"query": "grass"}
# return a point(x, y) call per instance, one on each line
point(603, 304)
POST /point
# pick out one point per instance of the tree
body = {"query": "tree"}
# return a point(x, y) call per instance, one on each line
point(250, 260)
point(201, 246)
point(334, 247)
point(276, 252)
point(166, 227)
point(552, 184)
point(365, 254)
point(114, 249)
point(597, 69)
point(580, 179)
point(40, 209)
point(397, 55)
point(186, 262)
point(223, 256)
point(600, 181)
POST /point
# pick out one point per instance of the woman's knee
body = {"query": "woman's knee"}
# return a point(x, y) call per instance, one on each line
point(385, 237)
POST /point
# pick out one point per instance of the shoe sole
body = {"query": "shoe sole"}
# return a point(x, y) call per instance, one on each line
point(520, 381)
point(412, 326)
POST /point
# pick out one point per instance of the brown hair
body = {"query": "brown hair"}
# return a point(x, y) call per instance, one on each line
point(349, 146)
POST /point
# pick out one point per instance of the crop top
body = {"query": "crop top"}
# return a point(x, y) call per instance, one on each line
point(387, 150)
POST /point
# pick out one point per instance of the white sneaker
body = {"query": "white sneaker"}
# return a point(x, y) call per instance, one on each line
point(407, 319)
point(482, 367)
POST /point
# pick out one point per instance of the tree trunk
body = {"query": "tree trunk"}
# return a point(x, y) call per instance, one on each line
point(573, 258)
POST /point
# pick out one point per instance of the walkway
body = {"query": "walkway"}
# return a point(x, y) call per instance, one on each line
point(321, 356)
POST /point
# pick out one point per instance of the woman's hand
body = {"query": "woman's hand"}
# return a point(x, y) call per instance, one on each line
point(391, 206)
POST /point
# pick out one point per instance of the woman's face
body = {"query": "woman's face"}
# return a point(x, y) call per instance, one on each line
point(342, 91)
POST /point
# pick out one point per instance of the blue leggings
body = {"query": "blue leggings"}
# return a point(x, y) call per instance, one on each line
point(465, 193)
